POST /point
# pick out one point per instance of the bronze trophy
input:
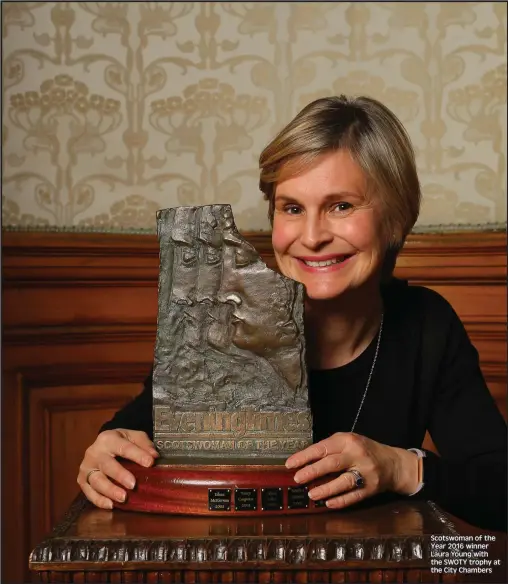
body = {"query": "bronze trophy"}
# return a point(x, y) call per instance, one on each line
point(230, 400)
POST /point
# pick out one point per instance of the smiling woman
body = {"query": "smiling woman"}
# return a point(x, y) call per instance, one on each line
point(343, 194)
point(326, 234)
point(387, 362)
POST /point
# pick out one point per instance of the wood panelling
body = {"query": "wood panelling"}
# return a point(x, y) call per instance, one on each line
point(79, 321)
point(63, 421)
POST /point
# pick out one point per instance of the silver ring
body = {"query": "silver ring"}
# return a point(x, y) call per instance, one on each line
point(359, 480)
point(90, 473)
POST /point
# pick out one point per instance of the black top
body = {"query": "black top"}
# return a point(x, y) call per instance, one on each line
point(427, 377)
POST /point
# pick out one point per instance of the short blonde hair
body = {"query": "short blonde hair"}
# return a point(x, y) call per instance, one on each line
point(377, 142)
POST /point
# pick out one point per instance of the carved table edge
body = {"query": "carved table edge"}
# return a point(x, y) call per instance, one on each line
point(285, 551)
point(76, 507)
point(443, 518)
point(234, 550)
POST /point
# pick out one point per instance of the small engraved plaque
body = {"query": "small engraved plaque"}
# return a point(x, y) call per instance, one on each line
point(298, 498)
point(246, 499)
point(219, 499)
point(271, 499)
point(320, 503)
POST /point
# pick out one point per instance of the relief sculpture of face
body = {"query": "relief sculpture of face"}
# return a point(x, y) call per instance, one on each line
point(248, 284)
point(262, 319)
point(238, 257)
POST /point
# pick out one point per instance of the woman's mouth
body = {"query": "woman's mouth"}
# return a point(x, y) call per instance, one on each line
point(335, 262)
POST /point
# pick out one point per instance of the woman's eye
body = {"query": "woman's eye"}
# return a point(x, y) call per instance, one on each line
point(342, 207)
point(292, 210)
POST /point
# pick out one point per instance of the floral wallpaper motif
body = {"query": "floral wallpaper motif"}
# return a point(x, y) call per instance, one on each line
point(112, 110)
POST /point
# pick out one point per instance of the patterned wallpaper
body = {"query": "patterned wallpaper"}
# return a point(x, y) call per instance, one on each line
point(112, 110)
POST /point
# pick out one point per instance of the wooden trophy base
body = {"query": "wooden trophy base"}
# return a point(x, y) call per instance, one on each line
point(218, 490)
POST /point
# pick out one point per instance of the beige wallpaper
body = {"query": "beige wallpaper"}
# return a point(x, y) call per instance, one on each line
point(112, 110)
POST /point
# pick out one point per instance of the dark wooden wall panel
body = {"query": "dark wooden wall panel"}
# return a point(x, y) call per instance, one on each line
point(79, 321)
point(64, 421)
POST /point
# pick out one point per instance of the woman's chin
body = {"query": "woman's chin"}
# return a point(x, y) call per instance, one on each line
point(318, 293)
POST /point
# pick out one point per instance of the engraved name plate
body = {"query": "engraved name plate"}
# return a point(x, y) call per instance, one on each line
point(298, 498)
point(271, 499)
point(229, 379)
point(246, 499)
point(219, 499)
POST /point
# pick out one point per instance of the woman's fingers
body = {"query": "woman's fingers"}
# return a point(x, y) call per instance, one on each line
point(101, 455)
point(344, 482)
point(97, 485)
point(345, 487)
point(110, 467)
point(101, 484)
point(333, 463)
point(332, 445)
point(119, 445)
point(140, 439)
point(94, 497)
point(314, 452)
point(380, 466)
point(350, 497)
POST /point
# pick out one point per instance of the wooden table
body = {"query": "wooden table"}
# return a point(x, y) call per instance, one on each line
point(385, 542)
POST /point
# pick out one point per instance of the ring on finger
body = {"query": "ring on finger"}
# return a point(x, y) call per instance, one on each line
point(90, 473)
point(359, 480)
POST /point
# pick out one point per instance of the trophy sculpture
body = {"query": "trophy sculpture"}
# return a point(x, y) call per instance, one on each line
point(230, 400)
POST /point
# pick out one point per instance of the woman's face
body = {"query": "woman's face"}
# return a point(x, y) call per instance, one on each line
point(324, 233)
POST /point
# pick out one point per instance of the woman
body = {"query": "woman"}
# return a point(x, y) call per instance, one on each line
point(387, 362)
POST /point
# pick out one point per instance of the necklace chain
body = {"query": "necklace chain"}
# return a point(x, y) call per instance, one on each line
point(371, 372)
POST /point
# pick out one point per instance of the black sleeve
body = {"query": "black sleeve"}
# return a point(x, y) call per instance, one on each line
point(137, 414)
point(469, 477)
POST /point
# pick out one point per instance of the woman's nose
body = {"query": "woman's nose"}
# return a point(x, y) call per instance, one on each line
point(315, 232)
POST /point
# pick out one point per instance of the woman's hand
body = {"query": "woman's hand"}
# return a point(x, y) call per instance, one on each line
point(101, 457)
point(383, 468)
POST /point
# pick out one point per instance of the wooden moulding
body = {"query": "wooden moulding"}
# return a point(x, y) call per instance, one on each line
point(33, 258)
point(387, 537)
point(219, 490)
